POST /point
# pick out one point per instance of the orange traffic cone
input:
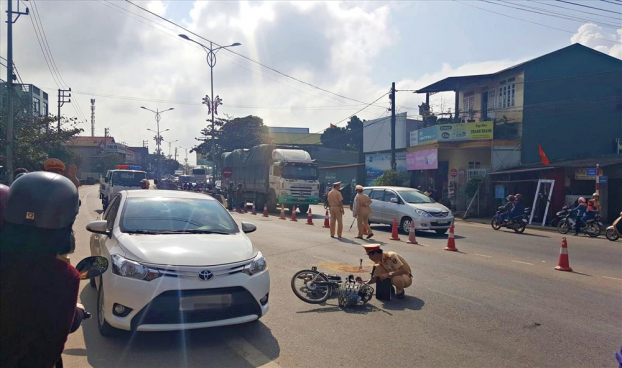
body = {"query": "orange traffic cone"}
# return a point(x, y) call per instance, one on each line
point(411, 234)
point(294, 214)
point(310, 218)
point(265, 210)
point(394, 235)
point(326, 220)
point(564, 262)
point(451, 241)
point(238, 209)
point(282, 217)
point(254, 212)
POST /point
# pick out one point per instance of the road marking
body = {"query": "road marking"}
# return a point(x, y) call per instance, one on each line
point(524, 262)
point(253, 356)
point(613, 278)
point(481, 255)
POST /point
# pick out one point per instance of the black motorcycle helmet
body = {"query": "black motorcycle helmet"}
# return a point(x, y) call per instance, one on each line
point(38, 214)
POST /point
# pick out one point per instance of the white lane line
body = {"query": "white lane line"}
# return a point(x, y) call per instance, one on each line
point(253, 356)
point(527, 263)
point(613, 278)
point(481, 255)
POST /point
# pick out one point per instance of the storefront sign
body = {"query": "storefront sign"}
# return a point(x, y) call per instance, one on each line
point(499, 192)
point(452, 132)
point(422, 160)
point(481, 130)
point(428, 135)
point(414, 138)
point(585, 174)
point(590, 172)
point(377, 163)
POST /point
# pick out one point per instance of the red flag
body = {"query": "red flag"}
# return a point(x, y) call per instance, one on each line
point(543, 158)
point(332, 125)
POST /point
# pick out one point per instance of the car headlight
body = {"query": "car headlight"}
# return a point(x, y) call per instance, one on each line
point(421, 213)
point(127, 268)
point(257, 265)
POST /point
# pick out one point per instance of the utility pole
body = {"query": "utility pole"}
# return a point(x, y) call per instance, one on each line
point(106, 130)
point(92, 117)
point(62, 101)
point(392, 96)
point(9, 85)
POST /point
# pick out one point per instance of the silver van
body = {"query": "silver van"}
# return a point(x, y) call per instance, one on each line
point(406, 205)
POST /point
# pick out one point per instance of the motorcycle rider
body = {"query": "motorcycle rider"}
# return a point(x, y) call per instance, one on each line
point(39, 291)
point(518, 208)
point(508, 207)
point(596, 198)
point(579, 211)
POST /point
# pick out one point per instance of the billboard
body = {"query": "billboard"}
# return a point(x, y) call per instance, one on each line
point(422, 160)
point(377, 163)
point(428, 135)
point(481, 130)
point(453, 133)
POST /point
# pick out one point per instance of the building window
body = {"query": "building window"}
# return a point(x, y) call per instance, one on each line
point(475, 165)
point(492, 99)
point(36, 106)
point(506, 93)
point(45, 111)
point(468, 102)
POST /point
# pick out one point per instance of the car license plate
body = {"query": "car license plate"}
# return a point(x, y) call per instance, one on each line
point(200, 302)
point(442, 222)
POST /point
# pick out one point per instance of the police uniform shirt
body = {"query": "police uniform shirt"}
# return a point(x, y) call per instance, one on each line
point(334, 198)
point(392, 262)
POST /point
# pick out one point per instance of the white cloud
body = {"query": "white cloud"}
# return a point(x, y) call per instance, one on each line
point(596, 37)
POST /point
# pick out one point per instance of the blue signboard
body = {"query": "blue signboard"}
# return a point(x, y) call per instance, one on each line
point(500, 192)
point(603, 179)
point(590, 172)
point(427, 135)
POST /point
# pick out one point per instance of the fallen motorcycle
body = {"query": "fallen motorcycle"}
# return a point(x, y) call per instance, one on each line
point(518, 223)
point(315, 287)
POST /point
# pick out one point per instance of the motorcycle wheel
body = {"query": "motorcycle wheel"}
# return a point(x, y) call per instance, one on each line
point(562, 226)
point(612, 234)
point(305, 289)
point(495, 224)
point(593, 230)
point(521, 227)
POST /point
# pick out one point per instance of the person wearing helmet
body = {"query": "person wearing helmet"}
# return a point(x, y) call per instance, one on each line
point(596, 198)
point(519, 207)
point(508, 207)
point(579, 212)
point(39, 291)
point(56, 166)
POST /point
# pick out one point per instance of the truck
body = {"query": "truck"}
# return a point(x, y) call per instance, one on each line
point(200, 175)
point(274, 176)
point(125, 177)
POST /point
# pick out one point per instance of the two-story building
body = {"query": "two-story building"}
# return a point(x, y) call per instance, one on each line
point(568, 102)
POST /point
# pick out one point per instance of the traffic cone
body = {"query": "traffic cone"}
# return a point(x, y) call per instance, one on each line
point(394, 235)
point(310, 218)
point(254, 212)
point(326, 221)
point(265, 210)
point(411, 234)
point(451, 241)
point(294, 214)
point(564, 262)
point(238, 209)
point(282, 217)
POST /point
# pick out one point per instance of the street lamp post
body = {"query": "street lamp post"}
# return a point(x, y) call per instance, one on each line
point(157, 113)
point(169, 146)
point(211, 61)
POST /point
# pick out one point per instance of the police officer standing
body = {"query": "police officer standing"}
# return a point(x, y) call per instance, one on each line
point(335, 201)
point(390, 265)
point(361, 212)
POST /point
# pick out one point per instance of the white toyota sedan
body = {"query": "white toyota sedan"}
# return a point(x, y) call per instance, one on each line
point(178, 261)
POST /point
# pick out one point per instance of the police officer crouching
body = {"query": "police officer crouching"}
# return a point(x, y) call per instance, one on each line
point(389, 265)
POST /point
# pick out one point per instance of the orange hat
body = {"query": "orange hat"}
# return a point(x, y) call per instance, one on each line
point(371, 248)
point(53, 163)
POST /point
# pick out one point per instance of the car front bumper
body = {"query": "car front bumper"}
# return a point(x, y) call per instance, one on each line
point(165, 303)
point(434, 223)
point(291, 200)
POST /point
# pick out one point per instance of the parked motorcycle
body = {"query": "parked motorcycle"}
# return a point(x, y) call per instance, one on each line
point(568, 222)
point(614, 231)
point(518, 223)
point(559, 215)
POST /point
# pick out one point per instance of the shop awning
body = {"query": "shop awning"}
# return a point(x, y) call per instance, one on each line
point(340, 166)
point(512, 171)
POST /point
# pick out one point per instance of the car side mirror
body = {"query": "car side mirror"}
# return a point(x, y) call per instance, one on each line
point(247, 227)
point(395, 200)
point(98, 227)
point(92, 267)
point(105, 180)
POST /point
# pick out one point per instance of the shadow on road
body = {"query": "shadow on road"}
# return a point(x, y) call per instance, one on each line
point(408, 303)
point(362, 309)
point(218, 347)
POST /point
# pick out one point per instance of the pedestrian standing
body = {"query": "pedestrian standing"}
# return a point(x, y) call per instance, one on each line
point(361, 212)
point(239, 196)
point(596, 198)
point(335, 202)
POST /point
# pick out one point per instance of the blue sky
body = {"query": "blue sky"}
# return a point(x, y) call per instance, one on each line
point(126, 58)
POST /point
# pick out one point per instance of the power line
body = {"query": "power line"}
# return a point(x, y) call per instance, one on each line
point(610, 2)
point(574, 10)
point(528, 21)
point(247, 58)
point(587, 6)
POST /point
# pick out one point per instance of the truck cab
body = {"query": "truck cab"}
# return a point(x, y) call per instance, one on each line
point(126, 177)
point(295, 179)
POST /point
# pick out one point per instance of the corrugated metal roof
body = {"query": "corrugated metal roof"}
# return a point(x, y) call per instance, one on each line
point(89, 141)
point(295, 138)
point(603, 161)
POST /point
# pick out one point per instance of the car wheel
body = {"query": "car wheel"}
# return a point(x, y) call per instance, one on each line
point(104, 328)
point(405, 225)
point(441, 231)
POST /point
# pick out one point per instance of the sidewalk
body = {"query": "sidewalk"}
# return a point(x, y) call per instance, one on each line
point(487, 222)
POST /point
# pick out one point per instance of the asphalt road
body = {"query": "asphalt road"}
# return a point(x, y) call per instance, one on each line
point(496, 303)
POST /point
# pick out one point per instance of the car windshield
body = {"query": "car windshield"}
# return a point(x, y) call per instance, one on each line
point(175, 215)
point(128, 178)
point(413, 196)
point(300, 172)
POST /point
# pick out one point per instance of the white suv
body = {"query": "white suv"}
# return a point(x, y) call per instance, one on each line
point(118, 180)
point(406, 205)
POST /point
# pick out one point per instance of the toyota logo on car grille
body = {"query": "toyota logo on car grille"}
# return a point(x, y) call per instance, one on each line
point(205, 275)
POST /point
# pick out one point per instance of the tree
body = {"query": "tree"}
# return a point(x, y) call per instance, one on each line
point(37, 139)
point(108, 161)
point(347, 138)
point(169, 166)
point(393, 178)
